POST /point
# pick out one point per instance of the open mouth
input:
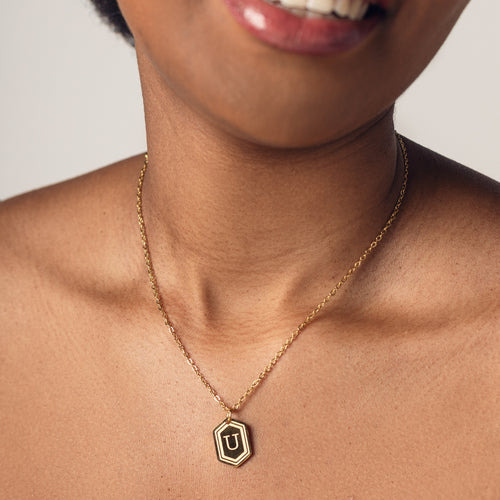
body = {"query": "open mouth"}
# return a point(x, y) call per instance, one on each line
point(310, 26)
point(353, 10)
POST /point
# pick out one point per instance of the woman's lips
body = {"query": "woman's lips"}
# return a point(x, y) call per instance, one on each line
point(284, 30)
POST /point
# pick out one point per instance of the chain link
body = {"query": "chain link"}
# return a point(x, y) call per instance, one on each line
point(309, 318)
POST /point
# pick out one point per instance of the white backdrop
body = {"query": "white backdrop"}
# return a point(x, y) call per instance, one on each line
point(70, 98)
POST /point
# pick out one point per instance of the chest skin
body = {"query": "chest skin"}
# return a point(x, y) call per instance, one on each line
point(125, 417)
point(97, 402)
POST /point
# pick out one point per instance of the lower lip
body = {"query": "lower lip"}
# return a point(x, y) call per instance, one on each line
point(283, 30)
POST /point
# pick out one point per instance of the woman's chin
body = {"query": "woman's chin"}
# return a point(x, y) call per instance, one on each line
point(299, 134)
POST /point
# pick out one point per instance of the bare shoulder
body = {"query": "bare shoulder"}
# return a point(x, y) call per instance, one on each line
point(456, 215)
point(457, 189)
point(451, 281)
point(70, 254)
point(438, 298)
point(451, 223)
point(65, 241)
point(50, 225)
point(32, 214)
point(439, 286)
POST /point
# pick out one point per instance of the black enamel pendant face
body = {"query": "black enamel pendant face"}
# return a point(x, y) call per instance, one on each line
point(232, 442)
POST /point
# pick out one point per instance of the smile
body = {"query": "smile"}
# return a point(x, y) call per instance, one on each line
point(313, 27)
point(355, 10)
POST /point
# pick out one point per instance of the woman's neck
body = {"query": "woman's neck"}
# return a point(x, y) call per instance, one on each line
point(227, 218)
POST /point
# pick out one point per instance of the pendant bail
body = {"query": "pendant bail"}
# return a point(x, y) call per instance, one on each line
point(229, 414)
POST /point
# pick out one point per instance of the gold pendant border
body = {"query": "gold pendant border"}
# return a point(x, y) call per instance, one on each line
point(245, 433)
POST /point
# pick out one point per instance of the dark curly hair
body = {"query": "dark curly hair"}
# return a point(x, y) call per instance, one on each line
point(110, 12)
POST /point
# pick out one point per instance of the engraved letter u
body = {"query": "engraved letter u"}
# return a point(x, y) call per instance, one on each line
point(235, 440)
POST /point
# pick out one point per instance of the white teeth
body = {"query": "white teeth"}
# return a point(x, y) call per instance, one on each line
point(321, 6)
point(363, 10)
point(351, 9)
point(342, 8)
point(358, 9)
point(300, 4)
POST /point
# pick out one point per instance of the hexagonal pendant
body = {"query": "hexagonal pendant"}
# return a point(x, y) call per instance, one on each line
point(232, 442)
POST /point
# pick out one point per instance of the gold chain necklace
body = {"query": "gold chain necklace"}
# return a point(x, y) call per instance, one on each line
point(232, 439)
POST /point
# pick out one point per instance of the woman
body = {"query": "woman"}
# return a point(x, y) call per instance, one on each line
point(273, 164)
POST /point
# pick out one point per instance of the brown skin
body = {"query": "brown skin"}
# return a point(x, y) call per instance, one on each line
point(393, 393)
